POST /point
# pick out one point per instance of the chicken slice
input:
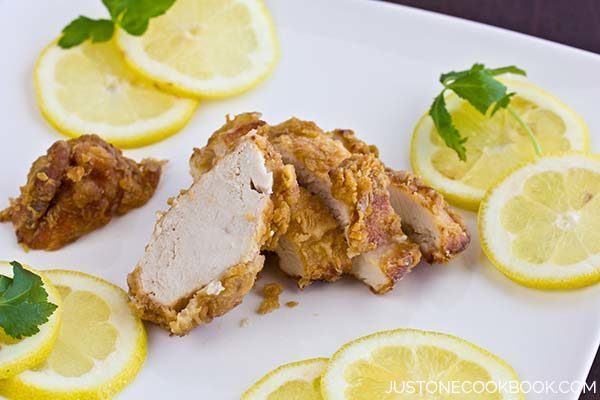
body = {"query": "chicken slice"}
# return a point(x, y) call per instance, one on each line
point(382, 253)
point(426, 217)
point(313, 248)
point(355, 189)
point(285, 192)
point(204, 254)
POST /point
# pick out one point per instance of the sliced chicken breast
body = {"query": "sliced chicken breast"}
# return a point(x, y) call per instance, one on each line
point(313, 248)
point(285, 186)
point(204, 254)
point(355, 189)
point(426, 217)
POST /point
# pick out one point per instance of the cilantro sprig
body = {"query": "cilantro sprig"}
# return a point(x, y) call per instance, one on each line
point(131, 15)
point(24, 305)
point(484, 92)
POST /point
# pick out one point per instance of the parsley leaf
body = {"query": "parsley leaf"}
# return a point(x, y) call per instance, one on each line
point(134, 15)
point(482, 90)
point(24, 303)
point(84, 28)
point(446, 129)
point(479, 87)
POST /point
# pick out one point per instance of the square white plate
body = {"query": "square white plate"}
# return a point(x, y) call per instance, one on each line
point(365, 65)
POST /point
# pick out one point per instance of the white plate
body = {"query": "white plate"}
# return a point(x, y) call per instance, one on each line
point(366, 65)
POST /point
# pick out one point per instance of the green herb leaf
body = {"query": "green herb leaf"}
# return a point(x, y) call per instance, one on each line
point(503, 102)
point(446, 129)
point(84, 28)
point(5, 282)
point(24, 303)
point(511, 69)
point(481, 89)
point(131, 15)
point(134, 15)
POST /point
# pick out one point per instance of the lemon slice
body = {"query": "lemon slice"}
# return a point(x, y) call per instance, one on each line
point(495, 145)
point(100, 348)
point(541, 225)
point(205, 48)
point(387, 365)
point(296, 381)
point(18, 355)
point(89, 89)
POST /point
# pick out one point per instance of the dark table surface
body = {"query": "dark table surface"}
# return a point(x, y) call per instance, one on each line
point(572, 22)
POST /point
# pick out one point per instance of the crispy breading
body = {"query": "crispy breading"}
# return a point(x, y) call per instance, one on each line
point(222, 140)
point(362, 186)
point(78, 186)
point(386, 265)
point(352, 143)
point(270, 293)
point(427, 218)
point(304, 145)
point(313, 248)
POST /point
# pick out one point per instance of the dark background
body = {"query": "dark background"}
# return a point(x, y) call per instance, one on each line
point(572, 22)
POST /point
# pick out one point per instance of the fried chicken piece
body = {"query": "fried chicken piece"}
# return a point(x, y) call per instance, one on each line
point(222, 141)
point(204, 254)
point(426, 217)
point(313, 248)
point(383, 255)
point(78, 186)
point(356, 190)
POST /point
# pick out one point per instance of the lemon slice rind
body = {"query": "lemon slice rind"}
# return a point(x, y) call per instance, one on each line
point(174, 81)
point(109, 376)
point(495, 240)
point(334, 385)
point(462, 194)
point(142, 132)
point(306, 370)
point(31, 351)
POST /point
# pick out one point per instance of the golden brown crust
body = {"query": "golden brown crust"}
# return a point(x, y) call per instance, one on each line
point(398, 262)
point(223, 140)
point(361, 184)
point(316, 242)
point(200, 308)
point(270, 293)
point(303, 143)
point(448, 236)
point(353, 144)
point(78, 186)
